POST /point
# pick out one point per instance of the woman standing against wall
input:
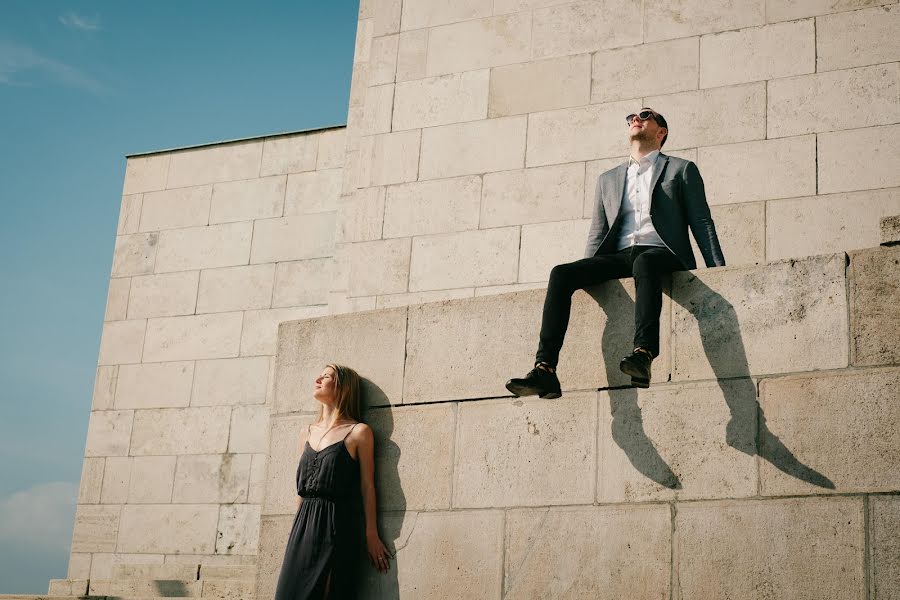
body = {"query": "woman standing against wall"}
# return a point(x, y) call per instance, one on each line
point(336, 497)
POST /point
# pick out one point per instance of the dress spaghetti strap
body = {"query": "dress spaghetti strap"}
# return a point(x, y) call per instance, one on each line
point(349, 432)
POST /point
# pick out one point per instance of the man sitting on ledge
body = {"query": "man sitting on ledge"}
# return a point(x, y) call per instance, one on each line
point(642, 211)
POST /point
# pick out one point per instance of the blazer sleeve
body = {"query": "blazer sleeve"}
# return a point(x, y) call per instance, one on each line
point(599, 226)
point(699, 218)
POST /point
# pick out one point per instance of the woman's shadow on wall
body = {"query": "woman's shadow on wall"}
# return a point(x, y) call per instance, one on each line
point(391, 500)
point(723, 345)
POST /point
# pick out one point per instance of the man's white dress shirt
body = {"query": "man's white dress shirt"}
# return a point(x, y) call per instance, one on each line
point(637, 228)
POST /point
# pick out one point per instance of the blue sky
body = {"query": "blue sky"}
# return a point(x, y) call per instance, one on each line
point(82, 84)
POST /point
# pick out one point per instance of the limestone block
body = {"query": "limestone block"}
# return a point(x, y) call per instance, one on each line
point(249, 429)
point(387, 17)
point(667, 19)
point(787, 10)
point(231, 589)
point(576, 134)
point(63, 587)
point(359, 81)
point(884, 527)
point(427, 207)
point(288, 154)
point(238, 532)
point(339, 303)
point(413, 471)
point(129, 214)
point(814, 549)
point(741, 229)
point(441, 100)
point(383, 59)
point(303, 282)
point(846, 99)
point(758, 53)
point(235, 288)
point(478, 44)
point(169, 528)
point(122, 341)
point(492, 290)
point(313, 192)
point(146, 173)
point(842, 425)
point(117, 299)
point(379, 267)
point(389, 158)
point(714, 116)
point(261, 327)
point(230, 381)
point(96, 528)
point(538, 255)
point(364, 30)
point(332, 144)
point(431, 13)
point(284, 455)
point(540, 85)
point(455, 554)
point(170, 571)
point(371, 343)
point(377, 109)
point(890, 229)
point(195, 337)
point(476, 147)
point(635, 71)
point(765, 169)
point(79, 566)
point(503, 443)
point(109, 432)
point(105, 566)
point(211, 164)
point(535, 195)
point(829, 223)
point(257, 478)
point(134, 254)
point(450, 367)
point(293, 238)
point(585, 27)
point(245, 200)
point(727, 321)
point(178, 431)
point(169, 209)
point(273, 536)
point(105, 388)
point(204, 247)
point(154, 385)
point(164, 295)
point(628, 550)
point(412, 50)
point(152, 479)
point(91, 480)
point(858, 38)
point(465, 259)
point(694, 441)
point(116, 477)
point(398, 300)
point(361, 216)
point(874, 311)
point(859, 160)
point(510, 6)
point(222, 478)
point(143, 588)
point(228, 571)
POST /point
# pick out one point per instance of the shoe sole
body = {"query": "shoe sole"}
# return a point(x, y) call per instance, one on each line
point(524, 390)
point(635, 374)
point(640, 383)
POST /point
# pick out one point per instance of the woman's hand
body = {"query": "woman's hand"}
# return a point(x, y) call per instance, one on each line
point(378, 554)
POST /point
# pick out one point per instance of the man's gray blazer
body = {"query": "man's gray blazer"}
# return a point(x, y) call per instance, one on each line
point(678, 201)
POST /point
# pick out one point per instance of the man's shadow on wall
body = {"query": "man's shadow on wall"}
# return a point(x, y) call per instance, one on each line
point(391, 501)
point(723, 345)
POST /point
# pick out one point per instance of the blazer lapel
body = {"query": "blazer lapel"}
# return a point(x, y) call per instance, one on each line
point(616, 201)
point(661, 161)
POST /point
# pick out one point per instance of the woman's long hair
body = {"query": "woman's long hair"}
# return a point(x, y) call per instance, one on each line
point(347, 394)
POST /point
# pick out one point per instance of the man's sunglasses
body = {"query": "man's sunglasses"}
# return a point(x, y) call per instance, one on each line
point(644, 115)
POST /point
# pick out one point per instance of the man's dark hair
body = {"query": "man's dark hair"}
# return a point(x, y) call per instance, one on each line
point(661, 121)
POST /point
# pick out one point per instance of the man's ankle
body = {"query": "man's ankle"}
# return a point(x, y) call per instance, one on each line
point(543, 366)
point(644, 350)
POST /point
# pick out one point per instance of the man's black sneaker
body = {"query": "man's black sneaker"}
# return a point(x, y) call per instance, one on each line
point(538, 382)
point(637, 364)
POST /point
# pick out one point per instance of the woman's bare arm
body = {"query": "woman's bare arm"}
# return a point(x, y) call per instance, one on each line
point(365, 444)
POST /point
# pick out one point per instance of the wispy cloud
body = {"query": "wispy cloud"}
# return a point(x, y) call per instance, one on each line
point(21, 65)
point(40, 517)
point(80, 23)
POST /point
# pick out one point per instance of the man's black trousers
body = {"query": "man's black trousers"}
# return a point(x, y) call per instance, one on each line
point(647, 264)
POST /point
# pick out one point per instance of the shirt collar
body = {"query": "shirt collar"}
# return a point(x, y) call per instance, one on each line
point(647, 159)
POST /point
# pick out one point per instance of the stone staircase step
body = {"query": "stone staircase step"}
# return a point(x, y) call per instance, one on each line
point(227, 571)
point(156, 571)
point(188, 588)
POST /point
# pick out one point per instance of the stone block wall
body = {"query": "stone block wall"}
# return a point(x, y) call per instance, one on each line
point(477, 129)
point(215, 246)
point(762, 463)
